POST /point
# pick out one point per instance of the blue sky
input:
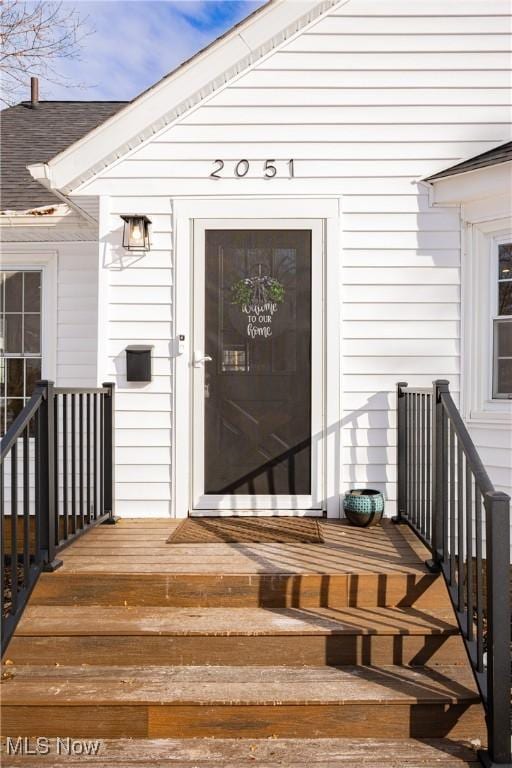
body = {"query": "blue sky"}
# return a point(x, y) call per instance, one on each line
point(136, 42)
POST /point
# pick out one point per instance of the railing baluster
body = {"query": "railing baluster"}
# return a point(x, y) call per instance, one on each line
point(109, 452)
point(414, 462)
point(469, 554)
point(73, 462)
point(88, 455)
point(81, 457)
point(479, 587)
point(460, 527)
point(26, 507)
point(37, 494)
point(445, 488)
point(409, 456)
point(401, 452)
point(56, 468)
point(102, 443)
point(95, 455)
point(14, 528)
point(452, 504)
point(65, 465)
point(423, 453)
point(48, 496)
point(428, 531)
point(2, 543)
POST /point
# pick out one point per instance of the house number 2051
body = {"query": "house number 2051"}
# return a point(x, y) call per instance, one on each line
point(241, 169)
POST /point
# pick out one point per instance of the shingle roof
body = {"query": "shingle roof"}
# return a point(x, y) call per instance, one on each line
point(35, 136)
point(495, 156)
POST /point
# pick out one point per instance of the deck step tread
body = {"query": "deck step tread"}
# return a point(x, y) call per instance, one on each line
point(243, 686)
point(235, 753)
point(49, 621)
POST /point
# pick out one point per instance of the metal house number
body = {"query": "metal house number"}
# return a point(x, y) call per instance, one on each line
point(241, 169)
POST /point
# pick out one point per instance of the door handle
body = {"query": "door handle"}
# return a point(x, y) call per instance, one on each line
point(200, 359)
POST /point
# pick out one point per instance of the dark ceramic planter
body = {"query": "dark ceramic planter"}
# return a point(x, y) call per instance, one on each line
point(364, 506)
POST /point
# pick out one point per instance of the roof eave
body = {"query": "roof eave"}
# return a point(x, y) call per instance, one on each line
point(475, 184)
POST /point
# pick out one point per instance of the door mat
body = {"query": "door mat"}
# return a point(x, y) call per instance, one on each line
point(247, 530)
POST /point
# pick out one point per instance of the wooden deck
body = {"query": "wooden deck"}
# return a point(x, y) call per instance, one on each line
point(350, 641)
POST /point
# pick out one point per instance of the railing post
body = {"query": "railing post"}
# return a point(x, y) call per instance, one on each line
point(497, 568)
point(47, 478)
point(401, 452)
point(439, 495)
point(109, 455)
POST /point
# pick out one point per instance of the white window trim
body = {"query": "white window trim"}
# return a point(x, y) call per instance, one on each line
point(46, 261)
point(479, 289)
point(497, 241)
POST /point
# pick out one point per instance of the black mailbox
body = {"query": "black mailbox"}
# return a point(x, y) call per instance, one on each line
point(138, 362)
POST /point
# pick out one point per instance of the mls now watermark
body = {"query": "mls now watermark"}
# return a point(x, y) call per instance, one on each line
point(24, 745)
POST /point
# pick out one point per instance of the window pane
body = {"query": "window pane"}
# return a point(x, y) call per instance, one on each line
point(13, 291)
point(13, 333)
point(13, 408)
point(33, 375)
point(15, 378)
point(505, 299)
point(504, 338)
point(505, 261)
point(2, 377)
point(32, 288)
point(504, 382)
point(32, 335)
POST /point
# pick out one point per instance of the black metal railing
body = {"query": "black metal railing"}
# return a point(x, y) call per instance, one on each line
point(56, 482)
point(445, 494)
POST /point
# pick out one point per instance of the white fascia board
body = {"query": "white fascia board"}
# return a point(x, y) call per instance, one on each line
point(491, 181)
point(180, 91)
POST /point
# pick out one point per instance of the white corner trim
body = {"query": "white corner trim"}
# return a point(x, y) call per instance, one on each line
point(178, 93)
point(45, 258)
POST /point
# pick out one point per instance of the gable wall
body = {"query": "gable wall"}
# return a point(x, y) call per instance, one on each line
point(373, 97)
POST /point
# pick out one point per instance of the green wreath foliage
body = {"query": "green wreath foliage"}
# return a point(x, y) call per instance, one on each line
point(243, 291)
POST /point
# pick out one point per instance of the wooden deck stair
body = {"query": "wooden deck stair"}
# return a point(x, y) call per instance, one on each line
point(351, 641)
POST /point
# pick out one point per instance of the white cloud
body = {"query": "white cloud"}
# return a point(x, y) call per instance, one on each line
point(135, 43)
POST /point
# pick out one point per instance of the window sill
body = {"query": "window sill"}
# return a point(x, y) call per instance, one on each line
point(496, 413)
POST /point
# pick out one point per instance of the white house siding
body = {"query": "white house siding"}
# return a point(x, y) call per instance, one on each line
point(139, 311)
point(368, 100)
point(77, 315)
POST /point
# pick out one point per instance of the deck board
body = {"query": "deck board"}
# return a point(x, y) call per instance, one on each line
point(232, 685)
point(121, 549)
point(140, 620)
point(264, 753)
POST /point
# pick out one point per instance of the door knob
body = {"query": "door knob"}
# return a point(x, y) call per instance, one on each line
point(200, 359)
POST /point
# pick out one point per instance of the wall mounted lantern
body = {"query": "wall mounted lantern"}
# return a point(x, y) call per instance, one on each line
point(136, 232)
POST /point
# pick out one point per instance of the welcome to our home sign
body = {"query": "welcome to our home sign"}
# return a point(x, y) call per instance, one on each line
point(268, 169)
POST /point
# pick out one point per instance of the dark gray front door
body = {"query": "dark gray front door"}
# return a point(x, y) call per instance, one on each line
point(257, 387)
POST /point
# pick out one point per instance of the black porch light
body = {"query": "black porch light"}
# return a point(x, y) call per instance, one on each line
point(136, 232)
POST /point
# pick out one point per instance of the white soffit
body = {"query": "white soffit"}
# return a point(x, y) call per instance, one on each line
point(478, 184)
point(180, 91)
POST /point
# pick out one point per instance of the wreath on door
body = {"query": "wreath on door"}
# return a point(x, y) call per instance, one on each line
point(258, 290)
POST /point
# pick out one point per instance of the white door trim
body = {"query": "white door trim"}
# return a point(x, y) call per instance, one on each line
point(187, 210)
point(293, 504)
